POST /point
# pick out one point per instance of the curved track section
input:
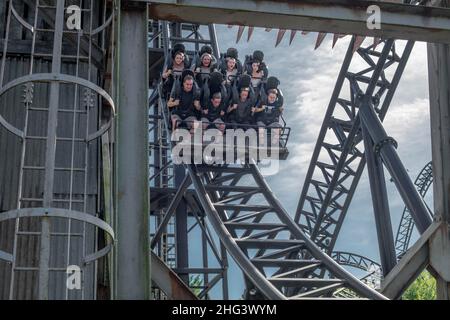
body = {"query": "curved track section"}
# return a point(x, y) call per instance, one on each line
point(373, 270)
point(423, 182)
point(269, 247)
point(355, 260)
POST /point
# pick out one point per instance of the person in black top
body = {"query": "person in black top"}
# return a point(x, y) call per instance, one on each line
point(214, 113)
point(257, 69)
point(185, 105)
point(241, 111)
point(268, 115)
point(213, 85)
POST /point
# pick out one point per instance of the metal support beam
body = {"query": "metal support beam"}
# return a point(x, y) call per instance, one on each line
point(181, 226)
point(409, 267)
point(385, 146)
point(169, 282)
point(380, 205)
point(50, 155)
point(439, 80)
point(204, 253)
point(133, 245)
point(214, 42)
point(224, 256)
point(398, 21)
point(433, 247)
point(355, 128)
point(181, 189)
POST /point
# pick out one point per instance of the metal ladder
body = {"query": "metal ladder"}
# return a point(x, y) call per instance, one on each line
point(59, 213)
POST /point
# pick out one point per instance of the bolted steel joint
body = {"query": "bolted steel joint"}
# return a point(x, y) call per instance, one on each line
point(380, 144)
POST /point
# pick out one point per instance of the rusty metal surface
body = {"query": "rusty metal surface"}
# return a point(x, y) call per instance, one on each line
point(399, 21)
point(168, 281)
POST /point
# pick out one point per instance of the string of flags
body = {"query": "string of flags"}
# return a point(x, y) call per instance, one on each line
point(320, 37)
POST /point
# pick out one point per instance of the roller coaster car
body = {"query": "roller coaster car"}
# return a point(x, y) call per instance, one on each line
point(242, 141)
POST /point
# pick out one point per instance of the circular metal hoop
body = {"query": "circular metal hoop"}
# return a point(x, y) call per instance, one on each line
point(19, 18)
point(28, 26)
point(61, 213)
point(62, 78)
point(103, 26)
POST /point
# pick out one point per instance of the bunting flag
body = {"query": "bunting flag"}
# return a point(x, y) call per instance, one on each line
point(336, 37)
point(358, 42)
point(250, 33)
point(376, 42)
point(280, 36)
point(240, 32)
point(320, 37)
point(293, 33)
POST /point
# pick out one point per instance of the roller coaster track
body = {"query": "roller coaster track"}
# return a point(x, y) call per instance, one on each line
point(271, 250)
point(355, 260)
point(372, 269)
point(406, 226)
point(277, 258)
point(262, 237)
point(338, 159)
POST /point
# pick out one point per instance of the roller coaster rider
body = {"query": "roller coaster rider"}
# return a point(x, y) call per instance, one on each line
point(257, 69)
point(214, 113)
point(185, 102)
point(205, 64)
point(269, 109)
point(240, 112)
point(178, 62)
point(230, 66)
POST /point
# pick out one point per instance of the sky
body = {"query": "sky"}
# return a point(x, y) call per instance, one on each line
point(308, 78)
